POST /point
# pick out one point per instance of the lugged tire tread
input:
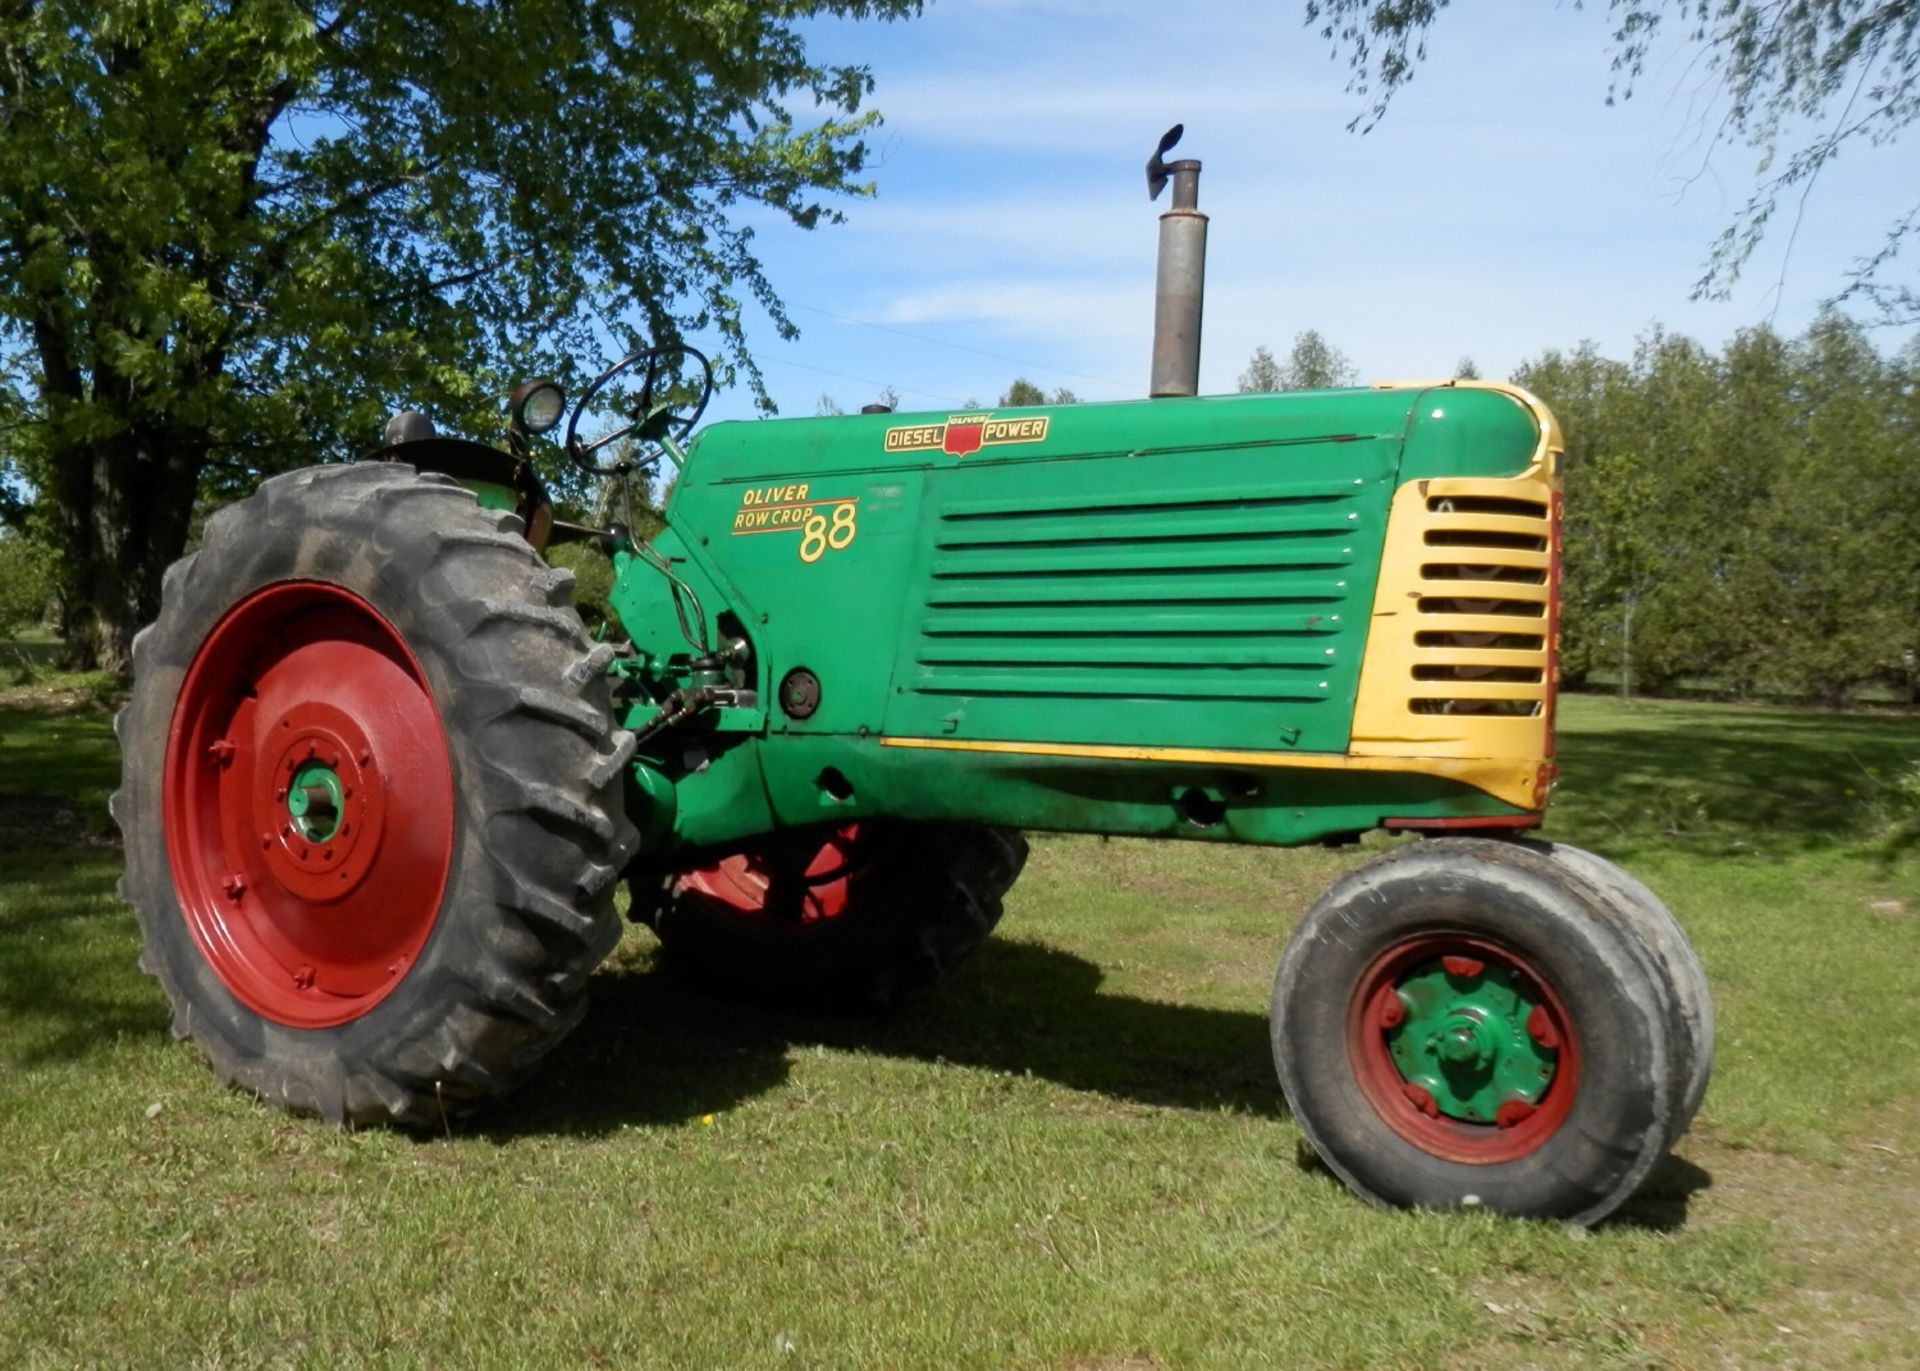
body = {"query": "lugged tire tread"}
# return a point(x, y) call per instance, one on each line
point(555, 707)
point(502, 978)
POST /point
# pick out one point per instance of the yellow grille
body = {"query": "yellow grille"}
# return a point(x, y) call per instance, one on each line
point(1460, 653)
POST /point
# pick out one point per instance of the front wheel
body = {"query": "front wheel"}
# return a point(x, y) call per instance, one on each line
point(370, 797)
point(1460, 1024)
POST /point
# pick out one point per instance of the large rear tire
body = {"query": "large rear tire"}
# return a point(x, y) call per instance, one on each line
point(1460, 1023)
point(371, 797)
point(857, 917)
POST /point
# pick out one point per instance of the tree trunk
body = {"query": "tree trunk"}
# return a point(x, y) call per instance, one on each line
point(126, 502)
point(1626, 647)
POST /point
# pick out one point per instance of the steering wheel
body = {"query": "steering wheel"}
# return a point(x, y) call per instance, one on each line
point(653, 421)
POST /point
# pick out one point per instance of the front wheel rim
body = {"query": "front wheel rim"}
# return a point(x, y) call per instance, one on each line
point(307, 800)
point(1463, 1048)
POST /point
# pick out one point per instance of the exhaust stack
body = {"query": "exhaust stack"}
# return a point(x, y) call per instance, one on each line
point(1180, 282)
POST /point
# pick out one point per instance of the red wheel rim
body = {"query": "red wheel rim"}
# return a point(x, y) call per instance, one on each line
point(1376, 1009)
point(310, 921)
point(794, 883)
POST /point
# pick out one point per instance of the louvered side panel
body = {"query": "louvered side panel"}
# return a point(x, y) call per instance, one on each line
point(1150, 615)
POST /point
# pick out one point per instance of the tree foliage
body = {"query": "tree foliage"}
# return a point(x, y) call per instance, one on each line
point(232, 237)
point(1262, 374)
point(1798, 83)
point(1748, 519)
point(1312, 364)
point(26, 582)
point(1024, 392)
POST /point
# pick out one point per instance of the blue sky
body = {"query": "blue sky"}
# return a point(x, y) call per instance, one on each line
point(1500, 209)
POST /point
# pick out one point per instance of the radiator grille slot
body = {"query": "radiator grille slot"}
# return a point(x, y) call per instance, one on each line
point(1517, 709)
point(1529, 642)
point(1455, 571)
point(1530, 675)
point(1484, 537)
point(1489, 504)
point(1531, 609)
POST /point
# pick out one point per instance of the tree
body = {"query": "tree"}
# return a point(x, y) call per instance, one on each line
point(1746, 520)
point(1024, 392)
point(25, 585)
point(1466, 369)
point(1315, 364)
point(233, 237)
point(1262, 374)
point(1312, 364)
point(1850, 69)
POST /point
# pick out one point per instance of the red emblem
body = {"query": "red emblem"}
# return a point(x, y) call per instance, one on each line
point(963, 439)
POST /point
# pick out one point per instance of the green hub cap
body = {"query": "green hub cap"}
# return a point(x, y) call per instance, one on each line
point(1472, 1038)
point(315, 801)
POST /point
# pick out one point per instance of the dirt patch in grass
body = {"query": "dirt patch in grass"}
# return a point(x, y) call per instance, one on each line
point(69, 692)
point(1847, 1236)
point(1841, 1285)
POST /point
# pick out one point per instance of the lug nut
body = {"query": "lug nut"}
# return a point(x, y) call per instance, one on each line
point(1512, 1112)
point(1463, 968)
point(1392, 1012)
point(303, 978)
point(1421, 1099)
point(1540, 1028)
point(221, 751)
point(235, 886)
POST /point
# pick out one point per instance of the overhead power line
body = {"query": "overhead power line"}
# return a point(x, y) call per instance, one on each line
point(863, 380)
point(962, 347)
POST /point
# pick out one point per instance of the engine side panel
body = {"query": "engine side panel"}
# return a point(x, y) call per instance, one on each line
point(1066, 618)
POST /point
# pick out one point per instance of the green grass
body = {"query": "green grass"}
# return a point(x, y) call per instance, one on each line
point(1074, 1156)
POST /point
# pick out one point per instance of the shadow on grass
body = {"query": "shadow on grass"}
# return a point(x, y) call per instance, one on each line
point(1661, 1203)
point(653, 1052)
point(69, 986)
point(1768, 781)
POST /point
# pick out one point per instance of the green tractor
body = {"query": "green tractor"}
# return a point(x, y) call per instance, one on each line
point(380, 784)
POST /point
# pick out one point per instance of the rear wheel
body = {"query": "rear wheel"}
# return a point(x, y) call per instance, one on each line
point(1458, 1023)
point(858, 916)
point(370, 797)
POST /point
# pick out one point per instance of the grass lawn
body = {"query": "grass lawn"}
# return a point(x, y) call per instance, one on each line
point(1074, 1156)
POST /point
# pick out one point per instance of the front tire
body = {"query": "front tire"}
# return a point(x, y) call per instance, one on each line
point(1691, 1021)
point(1459, 1024)
point(370, 798)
